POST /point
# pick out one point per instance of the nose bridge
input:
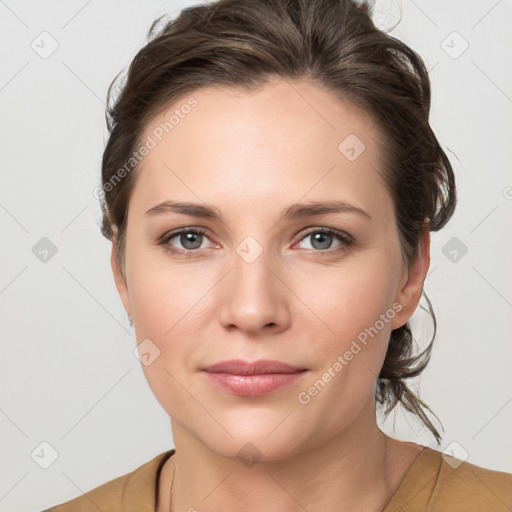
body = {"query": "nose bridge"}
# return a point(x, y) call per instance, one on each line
point(254, 297)
point(251, 263)
point(252, 277)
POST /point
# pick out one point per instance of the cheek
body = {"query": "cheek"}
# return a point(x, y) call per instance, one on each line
point(351, 335)
point(342, 304)
point(163, 293)
point(350, 342)
point(171, 306)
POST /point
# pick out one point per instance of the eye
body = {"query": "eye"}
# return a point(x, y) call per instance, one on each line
point(191, 240)
point(322, 238)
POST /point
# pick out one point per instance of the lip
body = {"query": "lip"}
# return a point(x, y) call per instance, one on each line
point(252, 379)
point(241, 367)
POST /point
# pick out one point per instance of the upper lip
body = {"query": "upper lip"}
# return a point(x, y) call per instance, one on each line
point(241, 367)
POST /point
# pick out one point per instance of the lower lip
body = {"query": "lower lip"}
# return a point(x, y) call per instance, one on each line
point(253, 385)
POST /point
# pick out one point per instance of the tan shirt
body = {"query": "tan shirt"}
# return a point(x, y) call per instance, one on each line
point(430, 485)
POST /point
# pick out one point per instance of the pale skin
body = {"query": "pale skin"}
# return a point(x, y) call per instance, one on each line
point(251, 156)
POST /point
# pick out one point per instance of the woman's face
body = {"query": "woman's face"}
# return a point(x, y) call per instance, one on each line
point(259, 283)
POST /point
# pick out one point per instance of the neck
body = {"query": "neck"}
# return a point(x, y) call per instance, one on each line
point(359, 468)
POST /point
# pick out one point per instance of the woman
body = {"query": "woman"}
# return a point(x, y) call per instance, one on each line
point(270, 183)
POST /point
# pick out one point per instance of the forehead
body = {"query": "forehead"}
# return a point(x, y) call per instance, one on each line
point(282, 141)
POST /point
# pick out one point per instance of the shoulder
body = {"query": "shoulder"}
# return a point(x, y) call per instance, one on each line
point(137, 488)
point(465, 486)
point(439, 482)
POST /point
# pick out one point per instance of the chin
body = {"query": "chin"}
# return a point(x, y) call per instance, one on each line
point(250, 451)
point(258, 442)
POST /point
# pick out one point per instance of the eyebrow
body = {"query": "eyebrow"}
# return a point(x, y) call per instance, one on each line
point(294, 211)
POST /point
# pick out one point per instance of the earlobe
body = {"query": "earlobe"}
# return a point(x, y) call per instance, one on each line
point(410, 293)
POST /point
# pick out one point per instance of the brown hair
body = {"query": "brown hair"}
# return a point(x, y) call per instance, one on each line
point(333, 44)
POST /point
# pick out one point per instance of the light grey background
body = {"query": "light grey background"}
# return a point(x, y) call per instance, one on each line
point(68, 374)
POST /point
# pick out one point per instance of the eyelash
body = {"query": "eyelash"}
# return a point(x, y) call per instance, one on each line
point(346, 241)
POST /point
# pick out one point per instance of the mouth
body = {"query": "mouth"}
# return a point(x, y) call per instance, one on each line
point(258, 378)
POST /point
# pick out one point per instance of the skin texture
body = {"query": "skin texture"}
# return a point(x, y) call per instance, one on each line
point(251, 155)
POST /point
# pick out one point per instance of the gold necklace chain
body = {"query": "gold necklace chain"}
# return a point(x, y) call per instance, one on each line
point(172, 483)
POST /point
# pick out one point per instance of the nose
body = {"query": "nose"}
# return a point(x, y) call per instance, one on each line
point(255, 297)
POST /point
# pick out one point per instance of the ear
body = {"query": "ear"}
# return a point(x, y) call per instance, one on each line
point(121, 284)
point(411, 285)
